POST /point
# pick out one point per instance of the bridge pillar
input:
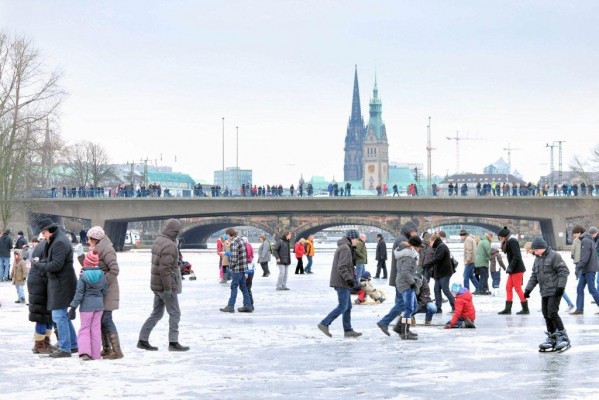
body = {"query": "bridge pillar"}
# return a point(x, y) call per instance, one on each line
point(554, 232)
point(116, 231)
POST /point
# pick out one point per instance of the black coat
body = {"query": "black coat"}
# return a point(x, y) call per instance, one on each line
point(37, 286)
point(5, 245)
point(57, 262)
point(282, 251)
point(381, 250)
point(441, 261)
point(21, 241)
point(514, 256)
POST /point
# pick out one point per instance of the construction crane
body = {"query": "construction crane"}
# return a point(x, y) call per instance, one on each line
point(457, 139)
point(509, 150)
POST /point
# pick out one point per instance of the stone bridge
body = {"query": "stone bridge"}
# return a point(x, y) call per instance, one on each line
point(302, 216)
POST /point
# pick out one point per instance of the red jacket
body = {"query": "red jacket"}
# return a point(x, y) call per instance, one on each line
point(464, 308)
point(299, 250)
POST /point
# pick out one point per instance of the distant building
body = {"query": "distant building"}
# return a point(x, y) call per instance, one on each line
point(234, 178)
point(472, 179)
point(354, 138)
point(498, 167)
point(570, 177)
point(376, 149)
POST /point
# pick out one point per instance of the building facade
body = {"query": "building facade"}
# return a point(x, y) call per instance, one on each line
point(375, 148)
point(354, 138)
point(234, 178)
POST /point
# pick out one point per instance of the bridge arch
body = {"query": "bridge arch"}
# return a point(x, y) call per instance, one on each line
point(196, 234)
point(489, 224)
point(305, 230)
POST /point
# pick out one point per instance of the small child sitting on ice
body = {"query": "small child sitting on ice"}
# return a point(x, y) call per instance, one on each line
point(464, 314)
point(366, 288)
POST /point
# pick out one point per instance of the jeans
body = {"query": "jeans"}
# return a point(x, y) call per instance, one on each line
point(308, 268)
point(550, 307)
point(4, 267)
point(381, 266)
point(483, 283)
point(21, 292)
point(567, 300)
point(108, 325)
point(41, 329)
point(239, 281)
point(443, 284)
point(67, 338)
point(172, 307)
point(359, 271)
point(409, 300)
point(395, 311)
point(282, 279)
point(469, 276)
point(496, 279)
point(583, 280)
point(430, 310)
point(344, 307)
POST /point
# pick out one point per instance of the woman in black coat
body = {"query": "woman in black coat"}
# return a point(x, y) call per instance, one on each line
point(37, 286)
point(442, 270)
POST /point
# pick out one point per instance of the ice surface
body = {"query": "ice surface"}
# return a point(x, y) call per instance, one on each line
point(278, 352)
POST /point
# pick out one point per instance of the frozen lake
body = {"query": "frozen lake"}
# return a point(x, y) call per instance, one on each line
point(278, 352)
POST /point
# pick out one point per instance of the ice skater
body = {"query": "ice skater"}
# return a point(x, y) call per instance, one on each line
point(550, 272)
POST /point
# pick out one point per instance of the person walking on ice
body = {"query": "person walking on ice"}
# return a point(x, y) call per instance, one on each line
point(550, 272)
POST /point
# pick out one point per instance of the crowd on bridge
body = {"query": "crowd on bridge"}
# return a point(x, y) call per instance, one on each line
point(519, 189)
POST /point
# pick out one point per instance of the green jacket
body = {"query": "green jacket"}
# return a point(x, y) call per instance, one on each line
point(483, 253)
point(361, 253)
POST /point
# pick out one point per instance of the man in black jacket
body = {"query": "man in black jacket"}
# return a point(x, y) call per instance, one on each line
point(442, 270)
point(381, 257)
point(57, 263)
point(5, 249)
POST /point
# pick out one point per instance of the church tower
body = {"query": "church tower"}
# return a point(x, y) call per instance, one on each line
point(375, 148)
point(354, 138)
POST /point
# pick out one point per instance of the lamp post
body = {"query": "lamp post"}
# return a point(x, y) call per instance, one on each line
point(237, 158)
point(429, 158)
point(223, 171)
point(560, 171)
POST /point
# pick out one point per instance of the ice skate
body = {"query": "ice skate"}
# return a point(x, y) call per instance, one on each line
point(548, 344)
point(562, 341)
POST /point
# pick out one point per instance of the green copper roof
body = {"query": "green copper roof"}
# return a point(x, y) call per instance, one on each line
point(376, 121)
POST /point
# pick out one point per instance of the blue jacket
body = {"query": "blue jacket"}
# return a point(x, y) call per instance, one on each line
point(91, 287)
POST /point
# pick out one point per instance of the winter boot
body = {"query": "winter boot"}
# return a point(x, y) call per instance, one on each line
point(145, 345)
point(561, 340)
point(40, 345)
point(525, 310)
point(407, 335)
point(411, 335)
point(325, 329)
point(400, 328)
point(176, 346)
point(507, 310)
point(548, 344)
point(384, 328)
point(115, 343)
point(47, 341)
point(468, 323)
point(106, 349)
point(228, 309)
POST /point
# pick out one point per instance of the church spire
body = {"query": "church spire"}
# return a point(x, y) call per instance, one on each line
point(356, 111)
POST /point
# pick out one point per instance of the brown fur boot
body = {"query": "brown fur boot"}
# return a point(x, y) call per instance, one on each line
point(47, 341)
point(116, 347)
point(106, 349)
point(40, 347)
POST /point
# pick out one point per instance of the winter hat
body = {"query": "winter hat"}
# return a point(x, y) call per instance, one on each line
point(415, 241)
point(593, 230)
point(46, 224)
point(538, 243)
point(578, 229)
point(463, 232)
point(456, 287)
point(96, 232)
point(352, 234)
point(366, 275)
point(91, 259)
point(504, 232)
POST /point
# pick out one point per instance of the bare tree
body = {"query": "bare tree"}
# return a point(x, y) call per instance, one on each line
point(582, 167)
point(28, 96)
point(89, 164)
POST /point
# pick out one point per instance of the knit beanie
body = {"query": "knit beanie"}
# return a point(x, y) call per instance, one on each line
point(91, 259)
point(96, 232)
point(415, 241)
point(505, 232)
point(352, 234)
point(538, 243)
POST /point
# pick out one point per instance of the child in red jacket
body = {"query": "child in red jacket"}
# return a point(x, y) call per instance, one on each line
point(464, 314)
point(299, 251)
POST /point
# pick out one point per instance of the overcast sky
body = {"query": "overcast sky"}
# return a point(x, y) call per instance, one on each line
point(155, 78)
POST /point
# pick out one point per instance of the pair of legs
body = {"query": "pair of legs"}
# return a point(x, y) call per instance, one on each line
point(469, 276)
point(550, 307)
point(381, 266)
point(265, 271)
point(483, 284)
point(514, 281)
point(299, 268)
point(239, 281)
point(359, 271)
point(308, 269)
point(172, 308)
point(20, 293)
point(90, 334)
point(4, 268)
point(496, 279)
point(587, 279)
point(343, 308)
point(442, 284)
point(398, 308)
point(282, 279)
point(430, 309)
point(67, 338)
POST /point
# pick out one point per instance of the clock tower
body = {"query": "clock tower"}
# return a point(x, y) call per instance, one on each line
point(376, 149)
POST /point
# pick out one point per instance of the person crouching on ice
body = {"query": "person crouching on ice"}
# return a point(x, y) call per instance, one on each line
point(366, 288)
point(407, 282)
point(550, 272)
point(464, 314)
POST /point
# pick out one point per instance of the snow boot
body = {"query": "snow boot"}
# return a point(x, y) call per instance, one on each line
point(468, 323)
point(40, 345)
point(145, 345)
point(562, 342)
point(400, 328)
point(106, 349)
point(325, 329)
point(507, 310)
point(384, 328)
point(115, 343)
point(548, 344)
point(407, 335)
point(47, 341)
point(176, 346)
point(525, 310)
point(228, 309)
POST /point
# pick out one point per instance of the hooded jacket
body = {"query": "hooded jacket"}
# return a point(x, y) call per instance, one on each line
point(37, 287)
point(165, 256)
point(91, 288)
point(588, 257)
point(109, 265)
point(407, 263)
point(483, 252)
point(343, 264)
point(5, 245)
point(398, 245)
point(514, 256)
point(464, 308)
point(549, 271)
point(264, 252)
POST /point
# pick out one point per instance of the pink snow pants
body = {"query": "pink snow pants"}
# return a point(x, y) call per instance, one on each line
point(89, 339)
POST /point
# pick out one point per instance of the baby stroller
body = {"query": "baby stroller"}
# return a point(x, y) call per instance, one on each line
point(186, 270)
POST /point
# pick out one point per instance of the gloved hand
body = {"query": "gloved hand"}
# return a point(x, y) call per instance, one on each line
point(350, 283)
point(413, 286)
point(167, 294)
point(79, 249)
point(508, 271)
point(559, 291)
point(448, 326)
point(527, 293)
point(72, 313)
point(228, 253)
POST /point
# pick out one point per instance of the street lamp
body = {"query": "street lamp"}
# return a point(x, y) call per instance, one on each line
point(223, 172)
point(552, 169)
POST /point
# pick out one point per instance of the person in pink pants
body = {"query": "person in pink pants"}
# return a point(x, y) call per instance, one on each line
point(91, 288)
